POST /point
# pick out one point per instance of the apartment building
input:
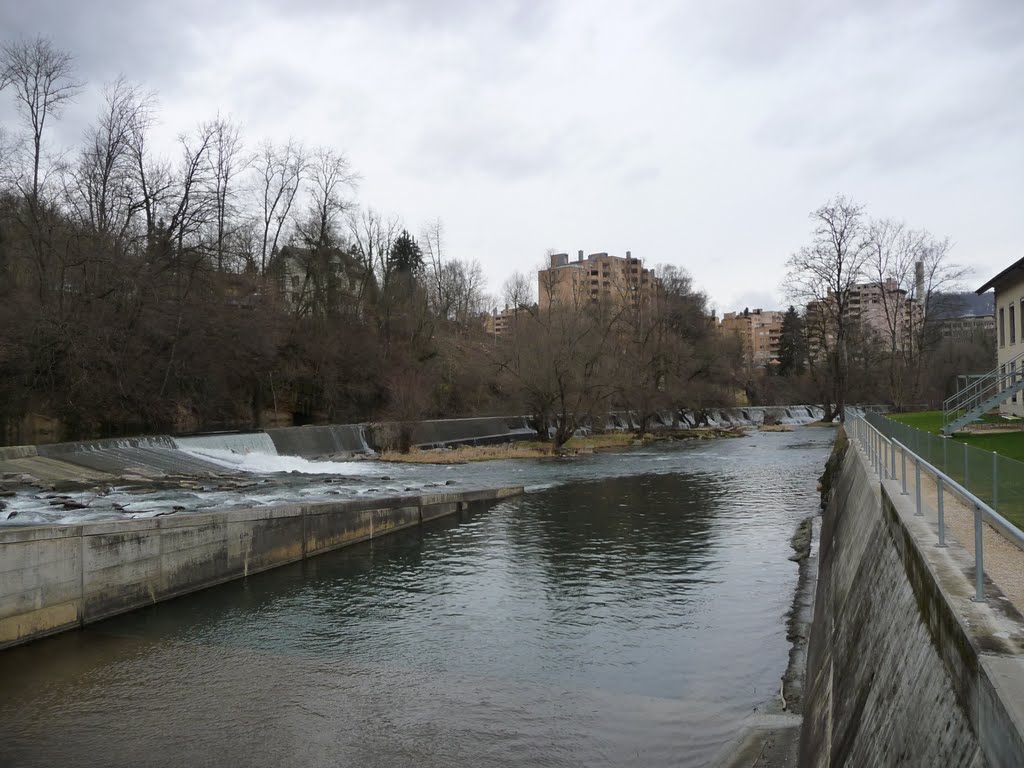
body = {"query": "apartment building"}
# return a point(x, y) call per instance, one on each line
point(759, 331)
point(599, 277)
point(883, 310)
point(504, 322)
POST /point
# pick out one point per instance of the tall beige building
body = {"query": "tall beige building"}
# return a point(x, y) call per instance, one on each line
point(881, 310)
point(885, 309)
point(759, 331)
point(599, 277)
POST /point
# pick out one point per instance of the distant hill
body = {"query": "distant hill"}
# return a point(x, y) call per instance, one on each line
point(966, 303)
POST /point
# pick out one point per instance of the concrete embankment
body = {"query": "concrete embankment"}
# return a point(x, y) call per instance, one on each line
point(903, 667)
point(54, 578)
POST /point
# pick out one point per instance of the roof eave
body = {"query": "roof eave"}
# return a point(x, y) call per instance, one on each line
point(991, 283)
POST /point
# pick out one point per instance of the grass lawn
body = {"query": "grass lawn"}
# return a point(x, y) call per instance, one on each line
point(1009, 444)
point(978, 477)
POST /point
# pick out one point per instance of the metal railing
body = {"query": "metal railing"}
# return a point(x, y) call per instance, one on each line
point(995, 479)
point(889, 457)
point(981, 390)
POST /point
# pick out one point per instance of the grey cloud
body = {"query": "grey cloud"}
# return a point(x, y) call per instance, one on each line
point(148, 41)
point(520, 18)
point(498, 149)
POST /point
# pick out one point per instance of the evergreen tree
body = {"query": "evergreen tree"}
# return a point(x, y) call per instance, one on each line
point(792, 346)
point(406, 256)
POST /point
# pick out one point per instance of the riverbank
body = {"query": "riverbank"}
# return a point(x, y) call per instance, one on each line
point(583, 445)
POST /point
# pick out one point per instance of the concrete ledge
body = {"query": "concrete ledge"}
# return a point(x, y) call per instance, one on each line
point(54, 578)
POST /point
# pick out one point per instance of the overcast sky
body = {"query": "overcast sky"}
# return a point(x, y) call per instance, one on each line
point(693, 133)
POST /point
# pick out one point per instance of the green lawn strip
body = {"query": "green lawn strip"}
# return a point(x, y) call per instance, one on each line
point(1009, 444)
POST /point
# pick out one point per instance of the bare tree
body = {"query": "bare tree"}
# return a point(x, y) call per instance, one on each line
point(517, 291)
point(457, 291)
point(227, 161)
point(331, 181)
point(105, 193)
point(42, 77)
point(823, 274)
point(560, 366)
point(372, 239)
point(910, 270)
point(152, 176)
point(279, 171)
point(192, 205)
point(326, 271)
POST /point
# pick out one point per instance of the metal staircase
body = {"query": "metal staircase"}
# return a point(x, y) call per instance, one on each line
point(983, 394)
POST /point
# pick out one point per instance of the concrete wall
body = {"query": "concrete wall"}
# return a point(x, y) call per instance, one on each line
point(54, 578)
point(903, 669)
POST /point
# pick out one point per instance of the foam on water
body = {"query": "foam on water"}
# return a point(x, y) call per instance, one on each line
point(266, 463)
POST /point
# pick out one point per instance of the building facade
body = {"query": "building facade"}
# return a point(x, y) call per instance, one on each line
point(503, 323)
point(883, 311)
point(759, 331)
point(1009, 330)
point(967, 327)
point(616, 280)
point(886, 310)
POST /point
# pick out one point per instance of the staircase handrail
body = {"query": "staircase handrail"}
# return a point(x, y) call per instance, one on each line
point(980, 389)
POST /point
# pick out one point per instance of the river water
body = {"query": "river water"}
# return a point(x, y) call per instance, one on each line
point(629, 610)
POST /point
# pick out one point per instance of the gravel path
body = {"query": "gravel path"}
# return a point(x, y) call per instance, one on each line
point(1004, 562)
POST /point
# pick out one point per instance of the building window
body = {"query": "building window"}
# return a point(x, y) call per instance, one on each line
point(1013, 326)
point(1002, 378)
point(1002, 327)
point(1013, 378)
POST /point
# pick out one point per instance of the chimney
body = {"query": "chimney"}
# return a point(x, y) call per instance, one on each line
point(919, 281)
point(629, 255)
point(579, 255)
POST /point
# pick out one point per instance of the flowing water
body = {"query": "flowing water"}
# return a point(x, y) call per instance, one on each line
point(629, 610)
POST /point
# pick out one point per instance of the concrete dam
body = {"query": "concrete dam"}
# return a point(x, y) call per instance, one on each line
point(903, 667)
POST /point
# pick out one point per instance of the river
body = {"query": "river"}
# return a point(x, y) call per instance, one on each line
point(629, 610)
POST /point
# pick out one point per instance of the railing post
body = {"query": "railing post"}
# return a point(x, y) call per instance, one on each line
point(979, 558)
point(892, 457)
point(966, 473)
point(917, 484)
point(881, 457)
point(942, 516)
point(995, 479)
point(903, 469)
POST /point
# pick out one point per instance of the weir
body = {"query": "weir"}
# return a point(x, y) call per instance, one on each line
point(250, 442)
point(151, 456)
